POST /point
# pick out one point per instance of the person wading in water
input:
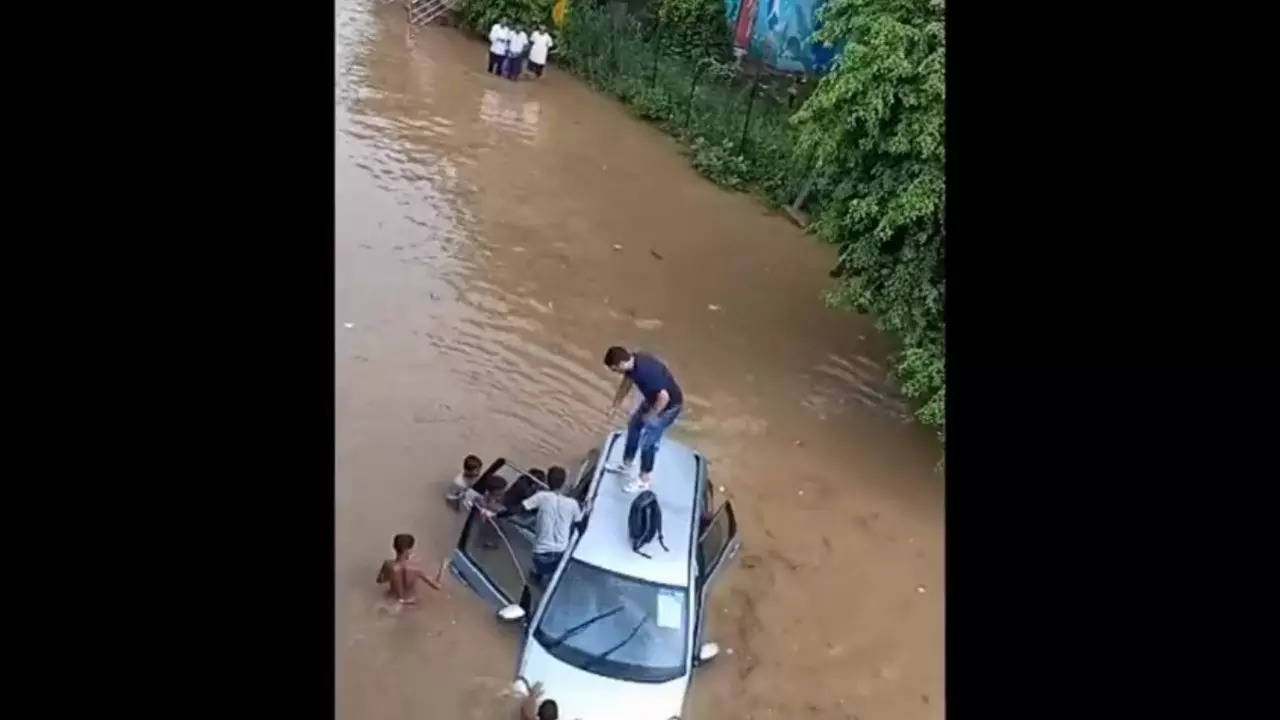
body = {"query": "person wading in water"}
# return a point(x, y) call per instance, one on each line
point(402, 574)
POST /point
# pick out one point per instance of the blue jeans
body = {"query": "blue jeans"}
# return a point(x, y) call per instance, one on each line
point(645, 435)
point(544, 566)
point(515, 63)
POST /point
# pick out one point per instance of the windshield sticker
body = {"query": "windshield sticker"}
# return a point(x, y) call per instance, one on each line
point(669, 607)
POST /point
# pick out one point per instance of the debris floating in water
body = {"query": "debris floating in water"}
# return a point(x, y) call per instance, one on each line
point(920, 588)
point(617, 246)
point(713, 307)
point(656, 255)
point(348, 325)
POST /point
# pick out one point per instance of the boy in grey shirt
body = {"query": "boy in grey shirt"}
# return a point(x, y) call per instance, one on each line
point(556, 515)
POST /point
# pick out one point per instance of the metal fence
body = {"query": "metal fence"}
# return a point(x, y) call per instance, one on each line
point(732, 114)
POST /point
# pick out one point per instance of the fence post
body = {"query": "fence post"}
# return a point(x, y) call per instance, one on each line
point(798, 203)
point(657, 48)
point(617, 11)
point(697, 72)
point(796, 209)
point(751, 99)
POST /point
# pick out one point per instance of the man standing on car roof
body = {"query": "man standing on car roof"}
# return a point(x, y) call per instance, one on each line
point(662, 404)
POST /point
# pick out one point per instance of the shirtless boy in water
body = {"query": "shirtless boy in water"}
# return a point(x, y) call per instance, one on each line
point(403, 573)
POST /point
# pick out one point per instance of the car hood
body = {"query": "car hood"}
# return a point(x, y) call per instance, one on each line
point(583, 695)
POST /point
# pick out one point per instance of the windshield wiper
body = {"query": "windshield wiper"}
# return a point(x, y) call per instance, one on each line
point(580, 627)
point(613, 649)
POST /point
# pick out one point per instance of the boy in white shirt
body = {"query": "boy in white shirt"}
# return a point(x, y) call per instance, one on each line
point(515, 53)
point(498, 37)
point(541, 43)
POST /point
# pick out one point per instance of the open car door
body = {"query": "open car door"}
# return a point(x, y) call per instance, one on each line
point(717, 545)
point(484, 562)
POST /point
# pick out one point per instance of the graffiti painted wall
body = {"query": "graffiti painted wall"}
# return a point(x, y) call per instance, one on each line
point(778, 31)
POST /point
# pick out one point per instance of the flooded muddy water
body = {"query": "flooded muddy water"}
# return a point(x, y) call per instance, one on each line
point(492, 239)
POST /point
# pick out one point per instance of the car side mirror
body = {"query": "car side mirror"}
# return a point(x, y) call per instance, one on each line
point(708, 652)
point(511, 613)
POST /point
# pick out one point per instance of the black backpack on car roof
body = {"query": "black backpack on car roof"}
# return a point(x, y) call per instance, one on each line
point(645, 522)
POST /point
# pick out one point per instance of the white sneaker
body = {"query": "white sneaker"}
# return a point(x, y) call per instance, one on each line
point(635, 485)
point(618, 468)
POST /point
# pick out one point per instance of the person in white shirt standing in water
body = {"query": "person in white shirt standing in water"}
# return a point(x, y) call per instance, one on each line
point(498, 36)
point(516, 45)
point(538, 51)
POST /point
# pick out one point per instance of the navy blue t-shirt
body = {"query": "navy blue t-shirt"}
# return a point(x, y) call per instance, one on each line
point(652, 377)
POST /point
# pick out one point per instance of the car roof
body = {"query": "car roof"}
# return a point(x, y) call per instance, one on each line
point(607, 541)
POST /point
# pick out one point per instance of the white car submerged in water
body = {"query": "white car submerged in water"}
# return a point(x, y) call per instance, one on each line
point(615, 635)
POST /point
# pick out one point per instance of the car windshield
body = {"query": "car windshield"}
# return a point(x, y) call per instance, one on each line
point(614, 625)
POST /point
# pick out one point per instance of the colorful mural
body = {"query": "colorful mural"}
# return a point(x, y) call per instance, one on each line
point(746, 18)
point(778, 31)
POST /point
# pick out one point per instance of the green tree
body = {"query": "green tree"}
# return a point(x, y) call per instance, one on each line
point(873, 129)
point(480, 15)
point(695, 29)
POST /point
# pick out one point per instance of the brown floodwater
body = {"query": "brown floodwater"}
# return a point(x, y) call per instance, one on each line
point(492, 239)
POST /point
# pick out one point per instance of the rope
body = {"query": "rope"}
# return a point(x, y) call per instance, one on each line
point(510, 550)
